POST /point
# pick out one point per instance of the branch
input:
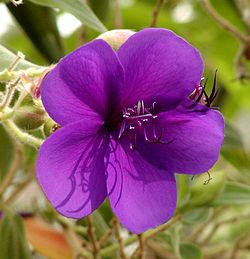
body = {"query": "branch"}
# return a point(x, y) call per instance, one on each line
point(218, 224)
point(117, 14)
point(244, 8)
point(119, 238)
point(140, 249)
point(224, 23)
point(92, 237)
point(156, 12)
point(9, 177)
point(133, 238)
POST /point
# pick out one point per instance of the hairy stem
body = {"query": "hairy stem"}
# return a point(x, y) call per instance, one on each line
point(10, 90)
point(23, 137)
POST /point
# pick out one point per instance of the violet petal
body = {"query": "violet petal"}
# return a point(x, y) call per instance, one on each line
point(159, 67)
point(84, 84)
point(71, 170)
point(192, 140)
point(141, 195)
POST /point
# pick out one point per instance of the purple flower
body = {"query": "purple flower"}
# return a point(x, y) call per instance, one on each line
point(127, 127)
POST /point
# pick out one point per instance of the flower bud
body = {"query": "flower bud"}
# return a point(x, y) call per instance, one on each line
point(29, 117)
point(116, 38)
point(49, 127)
point(206, 187)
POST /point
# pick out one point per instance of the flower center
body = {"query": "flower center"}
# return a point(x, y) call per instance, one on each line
point(139, 119)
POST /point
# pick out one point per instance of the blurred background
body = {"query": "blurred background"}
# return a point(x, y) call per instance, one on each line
point(214, 208)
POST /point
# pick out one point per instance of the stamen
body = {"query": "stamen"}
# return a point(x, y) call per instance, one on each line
point(208, 180)
point(207, 99)
point(135, 120)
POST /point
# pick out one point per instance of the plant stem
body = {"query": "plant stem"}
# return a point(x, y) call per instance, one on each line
point(76, 244)
point(9, 94)
point(244, 8)
point(13, 65)
point(6, 114)
point(107, 251)
point(140, 249)
point(6, 75)
point(92, 237)
point(105, 237)
point(218, 224)
point(119, 238)
point(23, 137)
point(117, 14)
point(9, 177)
point(141, 246)
point(18, 189)
point(224, 23)
point(156, 12)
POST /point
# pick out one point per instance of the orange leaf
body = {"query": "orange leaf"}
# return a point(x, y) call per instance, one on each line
point(45, 240)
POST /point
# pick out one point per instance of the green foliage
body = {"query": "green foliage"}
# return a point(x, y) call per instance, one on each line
point(100, 8)
point(12, 238)
point(233, 194)
point(50, 44)
point(6, 152)
point(190, 251)
point(76, 7)
point(7, 57)
point(196, 215)
point(205, 188)
point(233, 149)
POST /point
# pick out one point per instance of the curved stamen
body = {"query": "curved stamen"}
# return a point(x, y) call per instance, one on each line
point(136, 119)
point(201, 91)
point(155, 140)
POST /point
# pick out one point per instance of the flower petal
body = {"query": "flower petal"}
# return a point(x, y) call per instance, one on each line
point(159, 67)
point(141, 195)
point(193, 140)
point(70, 168)
point(84, 84)
point(60, 102)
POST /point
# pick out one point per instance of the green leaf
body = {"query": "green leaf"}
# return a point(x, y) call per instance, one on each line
point(233, 138)
point(233, 148)
point(99, 223)
point(100, 8)
point(7, 57)
point(233, 194)
point(43, 33)
point(206, 187)
point(196, 215)
point(183, 184)
point(77, 8)
point(190, 251)
point(6, 153)
point(12, 238)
